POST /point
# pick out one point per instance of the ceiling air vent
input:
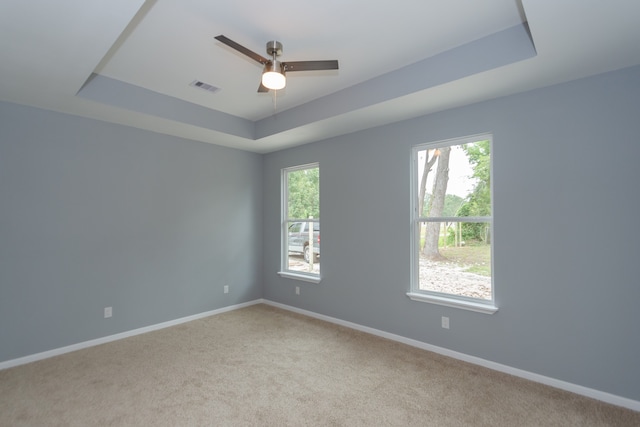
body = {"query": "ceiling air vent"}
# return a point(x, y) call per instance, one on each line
point(204, 86)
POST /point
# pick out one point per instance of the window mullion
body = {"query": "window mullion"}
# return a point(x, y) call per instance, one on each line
point(455, 219)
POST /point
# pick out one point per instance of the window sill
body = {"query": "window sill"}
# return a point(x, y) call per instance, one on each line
point(300, 276)
point(453, 302)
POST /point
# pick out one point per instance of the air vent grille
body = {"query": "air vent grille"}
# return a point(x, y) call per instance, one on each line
point(204, 86)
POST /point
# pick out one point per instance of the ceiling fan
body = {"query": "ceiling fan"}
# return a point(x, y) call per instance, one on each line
point(273, 76)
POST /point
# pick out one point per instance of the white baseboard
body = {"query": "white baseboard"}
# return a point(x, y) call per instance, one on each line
point(103, 340)
point(563, 385)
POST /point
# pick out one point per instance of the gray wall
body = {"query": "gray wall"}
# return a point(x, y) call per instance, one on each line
point(95, 214)
point(566, 176)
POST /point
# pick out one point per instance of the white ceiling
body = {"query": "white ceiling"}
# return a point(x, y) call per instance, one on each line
point(398, 60)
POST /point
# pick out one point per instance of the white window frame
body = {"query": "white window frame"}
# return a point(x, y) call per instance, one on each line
point(285, 221)
point(444, 299)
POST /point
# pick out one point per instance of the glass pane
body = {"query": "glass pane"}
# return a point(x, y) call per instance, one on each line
point(303, 192)
point(455, 181)
point(455, 258)
point(302, 256)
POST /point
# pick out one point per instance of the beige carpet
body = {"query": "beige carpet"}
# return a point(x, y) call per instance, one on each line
point(262, 366)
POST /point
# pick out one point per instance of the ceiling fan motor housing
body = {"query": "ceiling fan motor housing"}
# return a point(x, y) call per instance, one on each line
point(274, 48)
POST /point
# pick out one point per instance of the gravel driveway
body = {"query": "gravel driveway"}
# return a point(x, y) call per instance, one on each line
point(442, 276)
point(297, 263)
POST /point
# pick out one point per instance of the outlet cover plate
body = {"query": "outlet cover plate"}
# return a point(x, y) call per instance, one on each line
point(445, 322)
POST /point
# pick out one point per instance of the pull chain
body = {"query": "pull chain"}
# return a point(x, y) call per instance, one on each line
point(275, 63)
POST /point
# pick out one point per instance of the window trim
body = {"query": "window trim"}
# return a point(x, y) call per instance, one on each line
point(284, 220)
point(439, 298)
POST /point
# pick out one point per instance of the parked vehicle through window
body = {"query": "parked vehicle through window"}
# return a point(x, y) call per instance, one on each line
point(301, 222)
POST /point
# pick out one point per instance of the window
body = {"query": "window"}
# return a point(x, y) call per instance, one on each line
point(301, 223)
point(452, 224)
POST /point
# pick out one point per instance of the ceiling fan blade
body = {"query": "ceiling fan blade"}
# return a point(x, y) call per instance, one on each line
point(251, 54)
point(310, 65)
point(262, 88)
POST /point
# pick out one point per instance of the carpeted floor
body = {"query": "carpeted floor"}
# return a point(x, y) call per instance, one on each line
point(262, 366)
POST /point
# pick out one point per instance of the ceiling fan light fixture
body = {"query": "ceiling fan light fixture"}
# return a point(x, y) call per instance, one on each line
point(273, 79)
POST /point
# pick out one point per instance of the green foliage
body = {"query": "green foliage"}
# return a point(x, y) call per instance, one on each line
point(451, 204)
point(304, 193)
point(479, 154)
point(451, 236)
point(478, 202)
point(473, 231)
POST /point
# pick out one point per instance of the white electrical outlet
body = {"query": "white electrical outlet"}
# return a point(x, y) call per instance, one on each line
point(108, 312)
point(226, 289)
point(297, 290)
point(445, 322)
